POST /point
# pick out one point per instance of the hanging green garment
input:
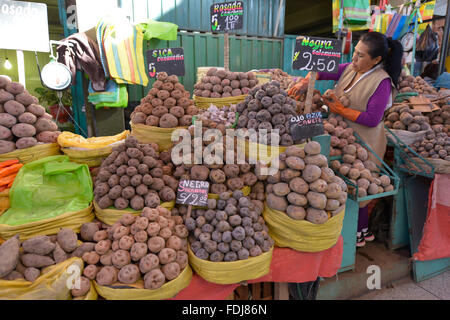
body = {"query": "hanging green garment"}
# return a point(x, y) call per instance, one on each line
point(47, 188)
point(159, 30)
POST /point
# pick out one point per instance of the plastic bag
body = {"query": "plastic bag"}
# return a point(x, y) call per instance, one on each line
point(427, 46)
point(47, 188)
point(160, 30)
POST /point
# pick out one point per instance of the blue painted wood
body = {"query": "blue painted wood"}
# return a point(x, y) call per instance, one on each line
point(349, 235)
point(399, 232)
point(260, 16)
point(416, 193)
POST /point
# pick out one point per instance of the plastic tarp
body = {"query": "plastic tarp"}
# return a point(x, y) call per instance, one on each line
point(158, 29)
point(287, 265)
point(435, 242)
point(47, 188)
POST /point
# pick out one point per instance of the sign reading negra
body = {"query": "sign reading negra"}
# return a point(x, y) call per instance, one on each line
point(306, 126)
point(192, 192)
point(317, 54)
point(24, 26)
point(170, 60)
point(227, 16)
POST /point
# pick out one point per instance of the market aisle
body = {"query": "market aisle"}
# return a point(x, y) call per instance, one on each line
point(436, 288)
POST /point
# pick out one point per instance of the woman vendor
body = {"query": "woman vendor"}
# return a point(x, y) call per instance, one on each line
point(370, 83)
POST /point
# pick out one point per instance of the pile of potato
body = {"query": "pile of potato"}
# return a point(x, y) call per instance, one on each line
point(23, 122)
point(440, 117)
point(402, 117)
point(415, 84)
point(435, 145)
point(135, 175)
point(341, 134)
point(317, 103)
point(213, 116)
point(167, 104)
point(26, 260)
point(268, 107)
point(222, 84)
point(282, 77)
point(152, 247)
point(229, 229)
point(305, 187)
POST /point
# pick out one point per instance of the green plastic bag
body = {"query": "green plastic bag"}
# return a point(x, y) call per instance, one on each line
point(47, 188)
point(159, 30)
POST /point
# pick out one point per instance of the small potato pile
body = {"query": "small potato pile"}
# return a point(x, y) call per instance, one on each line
point(282, 77)
point(268, 107)
point(406, 83)
point(223, 84)
point(317, 103)
point(40, 252)
point(135, 175)
point(152, 247)
point(230, 229)
point(167, 104)
point(422, 87)
point(402, 117)
point(23, 122)
point(341, 134)
point(441, 117)
point(304, 187)
point(214, 116)
point(435, 145)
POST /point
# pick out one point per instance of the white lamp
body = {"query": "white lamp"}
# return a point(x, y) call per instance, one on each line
point(7, 64)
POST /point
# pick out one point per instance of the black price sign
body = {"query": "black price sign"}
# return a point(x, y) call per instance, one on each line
point(317, 54)
point(170, 60)
point(227, 16)
point(306, 126)
point(192, 192)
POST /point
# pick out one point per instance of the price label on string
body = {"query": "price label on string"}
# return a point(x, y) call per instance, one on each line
point(227, 16)
point(193, 192)
point(306, 126)
point(317, 54)
point(169, 60)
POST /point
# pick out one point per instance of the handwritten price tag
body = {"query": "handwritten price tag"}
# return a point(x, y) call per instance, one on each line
point(193, 192)
point(227, 16)
point(306, 126)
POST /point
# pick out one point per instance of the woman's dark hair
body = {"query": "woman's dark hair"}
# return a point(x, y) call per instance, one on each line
point(390, 51)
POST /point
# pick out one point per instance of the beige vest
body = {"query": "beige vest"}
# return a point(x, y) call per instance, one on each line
point(359, 96)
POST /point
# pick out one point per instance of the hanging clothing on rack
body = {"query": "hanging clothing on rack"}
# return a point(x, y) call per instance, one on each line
point(84, 55)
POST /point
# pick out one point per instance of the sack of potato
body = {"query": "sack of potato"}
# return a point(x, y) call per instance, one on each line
point(165, 108)
point(435, 147)
point(214, 117)
point(143, 257)
point(38, 268)
point(229, 240)
point(134, 176)
point(23, 122)
point(220, 87)
point(305, 201)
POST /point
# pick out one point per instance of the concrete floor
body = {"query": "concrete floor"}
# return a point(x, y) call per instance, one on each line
point(436, 288)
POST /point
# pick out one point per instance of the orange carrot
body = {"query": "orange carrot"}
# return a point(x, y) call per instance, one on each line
point(10, 184)
point(10, 170)
point(6, 180)
point(8, 163)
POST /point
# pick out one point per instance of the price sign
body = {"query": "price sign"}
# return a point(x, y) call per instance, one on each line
point(192, 192)
point(306, 126)
point(170, 60)
point(317, 54)
point(227, 16)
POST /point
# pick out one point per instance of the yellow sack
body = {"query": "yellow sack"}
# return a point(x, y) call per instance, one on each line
point(204, 103)
point(263, 77)
point(33, 153)
point(137, 292)
point(51, 284)
point(231, 272)
point(110, 216)
point(149, 134)
point(261, 152)
point(71, 220)
point(68, 139)
point(91, 157)
point(302, 235)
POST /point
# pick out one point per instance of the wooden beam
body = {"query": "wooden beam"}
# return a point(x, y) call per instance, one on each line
point(307, 15)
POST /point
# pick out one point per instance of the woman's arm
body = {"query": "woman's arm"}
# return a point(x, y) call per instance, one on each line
point(332, 76)
point(376, 105)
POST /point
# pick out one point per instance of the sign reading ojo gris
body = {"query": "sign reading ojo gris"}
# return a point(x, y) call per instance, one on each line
point(227, 16)
point(24, 26)
point(169, 60)
point(306, 126)
point(317, 54)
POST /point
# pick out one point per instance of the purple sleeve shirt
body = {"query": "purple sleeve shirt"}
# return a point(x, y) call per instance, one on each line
point(377, 102)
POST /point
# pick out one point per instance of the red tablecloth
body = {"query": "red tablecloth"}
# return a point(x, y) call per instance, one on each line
point(287, 265)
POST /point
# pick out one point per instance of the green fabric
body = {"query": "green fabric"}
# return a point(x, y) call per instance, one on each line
point(122, 99)
point(47, 188)
point(160, 30)
point(356, 11)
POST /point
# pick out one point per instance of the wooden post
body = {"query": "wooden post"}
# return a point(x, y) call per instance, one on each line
point(310, 93)
point(281, 291)
point(188, 215)
point(226, 53)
